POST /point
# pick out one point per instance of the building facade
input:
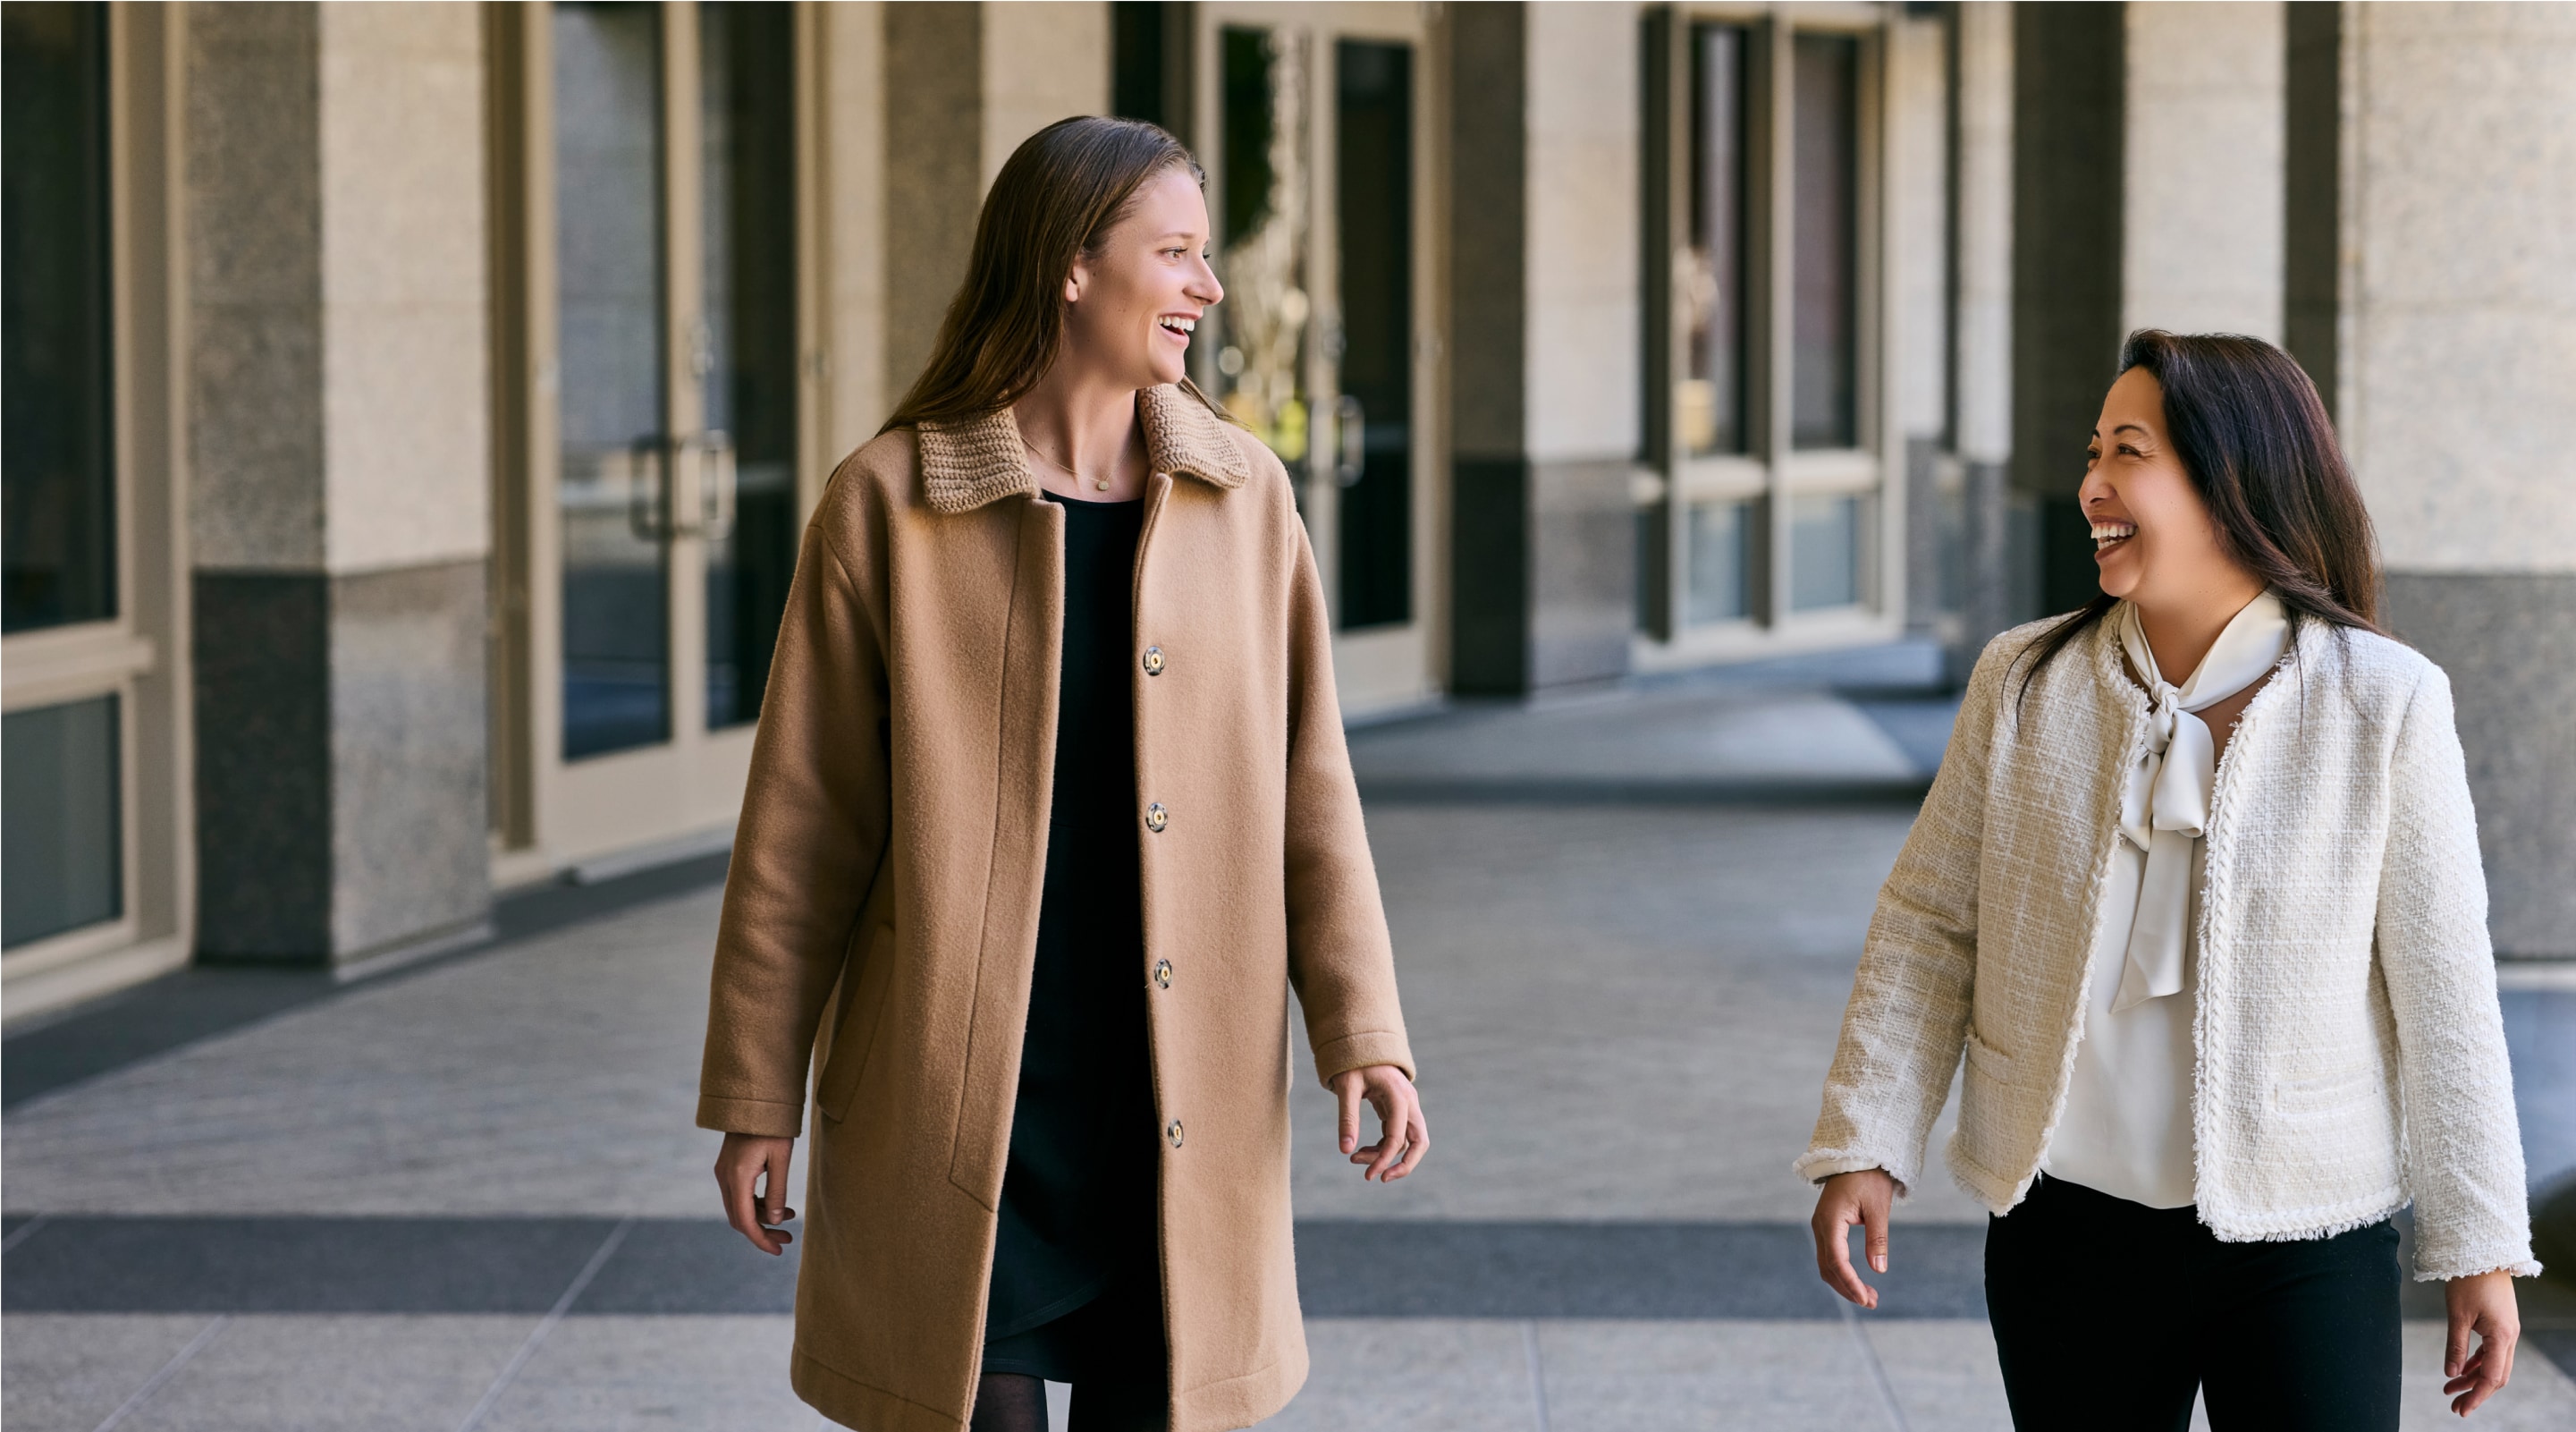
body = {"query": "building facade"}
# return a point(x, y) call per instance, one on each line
point(411, 408)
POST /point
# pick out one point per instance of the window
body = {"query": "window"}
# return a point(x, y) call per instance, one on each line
point(59, 527)
point(1761, 158)
point(62, 798)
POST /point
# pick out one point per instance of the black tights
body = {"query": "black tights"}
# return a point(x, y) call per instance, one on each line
point(2109, 1315)
point(1016, 1402)
point(1110, 1349)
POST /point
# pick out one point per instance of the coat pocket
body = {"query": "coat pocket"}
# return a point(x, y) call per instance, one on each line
point(2309, 1093)
point(1986, 1060)
point(854, 1037)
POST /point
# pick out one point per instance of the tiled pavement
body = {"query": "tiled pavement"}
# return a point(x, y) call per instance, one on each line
point(469, 1196)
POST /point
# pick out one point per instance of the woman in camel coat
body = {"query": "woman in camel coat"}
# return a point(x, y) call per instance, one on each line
point(883, 913)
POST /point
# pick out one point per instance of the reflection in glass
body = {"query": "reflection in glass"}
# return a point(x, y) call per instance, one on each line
point(611, 489)
point(1262, 252)
point(61, 852)
point(1708, 402)
point(57, 474)
point(1373, 187)
point(747, 173)
point(1824, 552)
point(1721, 551)
point(1825, 93)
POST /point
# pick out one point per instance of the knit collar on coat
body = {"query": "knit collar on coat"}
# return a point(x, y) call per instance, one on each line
point(982, 460)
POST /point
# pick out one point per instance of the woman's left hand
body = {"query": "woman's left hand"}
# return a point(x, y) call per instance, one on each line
point(2481, 1303)
point(1402, 1136)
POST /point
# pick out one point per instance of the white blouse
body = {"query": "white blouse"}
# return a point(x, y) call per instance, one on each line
point(2126, 1129)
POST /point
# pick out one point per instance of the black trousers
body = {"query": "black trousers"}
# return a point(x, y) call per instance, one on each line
point(2108, 1315)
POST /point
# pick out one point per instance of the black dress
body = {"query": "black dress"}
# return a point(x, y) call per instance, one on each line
point(1078, 1227)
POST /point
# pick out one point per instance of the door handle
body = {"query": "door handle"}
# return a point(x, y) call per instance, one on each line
point(1350, 425)
point(648, 490)
point(719, 485)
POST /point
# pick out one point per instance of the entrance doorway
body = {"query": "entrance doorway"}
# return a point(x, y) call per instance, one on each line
point(1316, 124)
point(650, 504)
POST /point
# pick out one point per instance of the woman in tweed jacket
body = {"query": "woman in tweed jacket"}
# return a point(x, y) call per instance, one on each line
point(2216, 954)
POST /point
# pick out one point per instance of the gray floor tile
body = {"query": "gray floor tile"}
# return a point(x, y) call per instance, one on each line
point(637, 1374)
point(1943, 1374)
point(2540, 1398)
point(65, 1372)
point(1414, 1375)
point(1619, 1012)
point(1646, 1377)
point(335, 1374)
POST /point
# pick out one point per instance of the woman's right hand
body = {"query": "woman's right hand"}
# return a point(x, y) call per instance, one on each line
point(755, 1213)
point(1850, 1198)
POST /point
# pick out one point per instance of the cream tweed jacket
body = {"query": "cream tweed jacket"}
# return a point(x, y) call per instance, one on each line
point(2351, 1052)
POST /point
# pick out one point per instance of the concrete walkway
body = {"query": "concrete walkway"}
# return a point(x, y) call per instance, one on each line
point(470, 1196)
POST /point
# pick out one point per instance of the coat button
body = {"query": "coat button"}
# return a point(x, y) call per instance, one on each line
point(1162, 974)
point(1153, 661)
point(1156, 817)
point(1174, 1133)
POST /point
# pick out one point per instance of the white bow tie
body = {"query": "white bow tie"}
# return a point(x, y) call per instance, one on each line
point(2164, 803)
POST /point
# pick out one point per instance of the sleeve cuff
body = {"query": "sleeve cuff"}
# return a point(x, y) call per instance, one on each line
point(1819, 1165)
point(1361, 1051)
point(762, 1118)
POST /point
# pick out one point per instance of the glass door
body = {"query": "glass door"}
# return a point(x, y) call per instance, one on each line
point(1316, 128)
point(662, 329)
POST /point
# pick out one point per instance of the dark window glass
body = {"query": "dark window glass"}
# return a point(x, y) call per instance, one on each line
point(1825, 95)
point(1708, 403)
point(1262, 173)
point(1250, 93)
point(1373, 169)
point(747, 169)
point(1824, 552)
point(57, 474)
point(1721, 561)
point(1138, 62)
point(61, 850)
point(612, 486)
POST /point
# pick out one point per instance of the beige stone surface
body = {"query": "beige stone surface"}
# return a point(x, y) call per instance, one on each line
point(2460, 244)
point(1042, 63)
point(406, 335)
point(2202, 148)
point(1985, 232)
point(1584, 343)
point(1919, 259)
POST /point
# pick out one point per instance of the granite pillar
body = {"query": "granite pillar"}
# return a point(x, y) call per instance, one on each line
point(2458, 292)
point(1545, 346)
point(339, 425)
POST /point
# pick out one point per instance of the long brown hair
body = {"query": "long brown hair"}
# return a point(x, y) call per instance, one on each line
point(1056, 199)
point(2255, 440)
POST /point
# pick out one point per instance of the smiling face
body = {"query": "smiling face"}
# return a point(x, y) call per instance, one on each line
point(2153, 537)
point(1130, 307)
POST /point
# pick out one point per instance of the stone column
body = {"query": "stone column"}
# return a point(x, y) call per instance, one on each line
point(1545, 344)
point(339, 426)
point(2457, 360)
point(1981, 416)
point(2201, 164)
point(964, 84)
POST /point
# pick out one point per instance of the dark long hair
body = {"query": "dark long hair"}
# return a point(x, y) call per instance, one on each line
point(2254, 438)
point(1056, 198)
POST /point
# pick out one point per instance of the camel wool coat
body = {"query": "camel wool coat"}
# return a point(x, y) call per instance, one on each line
point(880, 914)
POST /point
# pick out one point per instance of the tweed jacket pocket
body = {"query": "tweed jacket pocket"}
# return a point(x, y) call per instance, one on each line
point(862, 1011)
point(2332, 1089)
point(1987, 1060)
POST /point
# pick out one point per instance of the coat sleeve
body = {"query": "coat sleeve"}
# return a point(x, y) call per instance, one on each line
point(814, 820)
point(2463, 1146)
point(1907, 1019)
point(1340, 959)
